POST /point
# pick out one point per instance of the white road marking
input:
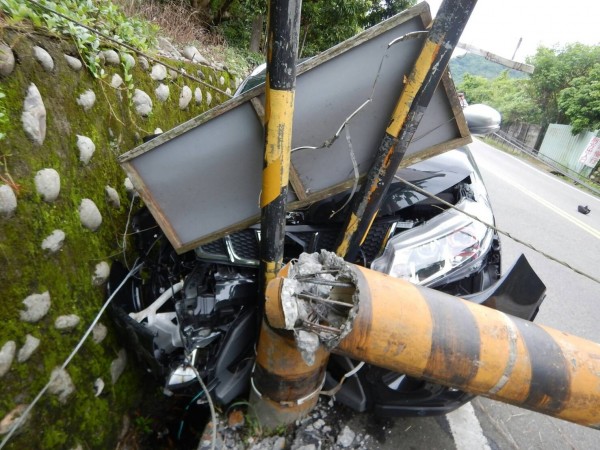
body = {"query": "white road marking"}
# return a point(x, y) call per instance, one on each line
point(466, 429)
point(584, 226)
point(541, 172)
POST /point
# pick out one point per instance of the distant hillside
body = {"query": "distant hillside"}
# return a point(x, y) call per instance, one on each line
point(478, 65)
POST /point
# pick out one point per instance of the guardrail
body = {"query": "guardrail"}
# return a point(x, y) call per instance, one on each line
point(508, 140)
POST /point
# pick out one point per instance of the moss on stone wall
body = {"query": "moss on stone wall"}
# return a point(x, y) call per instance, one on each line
point(114, 127)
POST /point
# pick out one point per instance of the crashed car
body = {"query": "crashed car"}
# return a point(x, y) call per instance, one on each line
point(196, 314)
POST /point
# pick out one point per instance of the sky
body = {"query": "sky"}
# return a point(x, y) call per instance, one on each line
point(497, 25)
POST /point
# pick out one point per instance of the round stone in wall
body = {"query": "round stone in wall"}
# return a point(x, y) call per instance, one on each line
point(30, 346)
point(198, 95)
point(34, 115)
point(54, 242)
point(89, 214)
point(142, 103)
point(101, 273)
point(67, 322)
point(7, 355)
point(37, 306)
point(112, 197)
point(128, 60)
point(47, 184)
point(87, 100)
point(73, 63)
point(7, 59)
point(221, 80)
point(86, 148)
point(185, 97)
point(99, 332)
point(8, 201)
point(116, 81)
point(111, 57)
point(11, 419)
point(159, 72)
point(162, 92)
point(143, 62)
point(44, 58)
point(61, 384)
point(129, 187)
point(208, 98)
point(228, 91)
point(117, 366)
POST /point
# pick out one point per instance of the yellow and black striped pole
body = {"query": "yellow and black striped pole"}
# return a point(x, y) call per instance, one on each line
point(419, 87)
point(282, 49)
point(430, 335)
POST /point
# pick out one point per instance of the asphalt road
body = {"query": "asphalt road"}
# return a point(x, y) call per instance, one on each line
point(539, 209)
point(542, 210)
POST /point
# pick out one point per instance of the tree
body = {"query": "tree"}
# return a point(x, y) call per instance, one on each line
point(580, 102)
point(555, 70)
point(507, 95)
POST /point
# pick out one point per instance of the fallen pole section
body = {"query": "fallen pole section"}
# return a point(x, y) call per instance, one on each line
point(426, 334)
point(419, 88)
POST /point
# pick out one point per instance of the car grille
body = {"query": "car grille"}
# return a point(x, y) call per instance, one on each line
point(243, 247)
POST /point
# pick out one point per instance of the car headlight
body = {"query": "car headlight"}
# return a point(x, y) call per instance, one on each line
point(447, 246)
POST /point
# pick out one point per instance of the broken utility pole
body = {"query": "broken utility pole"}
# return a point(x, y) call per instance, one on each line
point(419, 87)
point(427, 334)
point(282, 48)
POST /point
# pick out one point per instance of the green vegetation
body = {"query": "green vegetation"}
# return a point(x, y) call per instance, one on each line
point(114, 127)
point(101, 15)
point(470, 64)
point(563, 89)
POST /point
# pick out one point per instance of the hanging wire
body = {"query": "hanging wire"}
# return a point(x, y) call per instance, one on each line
point(129, 47)
point(493, 227)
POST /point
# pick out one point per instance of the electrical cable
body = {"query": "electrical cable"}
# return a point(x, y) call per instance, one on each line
point(493, 227)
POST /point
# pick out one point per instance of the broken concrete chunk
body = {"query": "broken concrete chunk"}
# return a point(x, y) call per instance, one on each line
point(44, 58)
point(87, 100)
point(61, 384)
point(73, 63)
point(112, 197)
point(99, 332)
point(101, 273)
point(31, 344)
point(67, 322)
point(37, 307)
point(86, 148)
point(47, 184)
point(54, 242)
point(89, 214)
point(159, 72)
point(346, 437)
point(7, 354)
point(7, 60)
point(162, 92)
point(34, 115)
point(142, 103)
point(8, 201)
point(307, 343)
point(117, 366)
point(185, 98)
